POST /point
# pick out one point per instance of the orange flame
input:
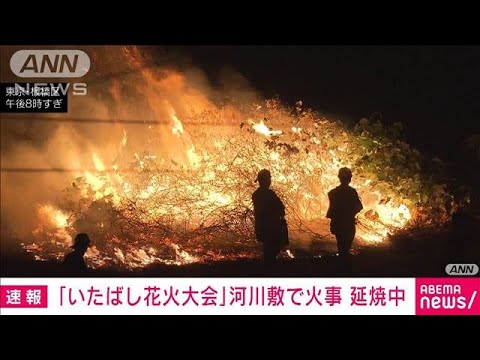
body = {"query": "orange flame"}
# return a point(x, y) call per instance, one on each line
point(203, 172)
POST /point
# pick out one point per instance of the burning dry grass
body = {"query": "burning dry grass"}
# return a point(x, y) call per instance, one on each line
point(193, 202)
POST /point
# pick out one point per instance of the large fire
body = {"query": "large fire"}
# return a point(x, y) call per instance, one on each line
point(192, 201)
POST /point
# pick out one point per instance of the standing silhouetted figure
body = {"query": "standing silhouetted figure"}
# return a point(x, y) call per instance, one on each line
point(269, 213)
point(344, 206)
point(74, 262)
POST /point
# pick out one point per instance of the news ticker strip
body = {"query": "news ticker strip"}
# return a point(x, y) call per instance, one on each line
point(239, 296)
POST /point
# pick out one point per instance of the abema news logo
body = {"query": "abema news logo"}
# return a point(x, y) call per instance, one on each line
point(447, 296)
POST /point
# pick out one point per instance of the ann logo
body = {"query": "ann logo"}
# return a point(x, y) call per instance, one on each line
point(461, 269)
point(57, 65)
point(50, 63)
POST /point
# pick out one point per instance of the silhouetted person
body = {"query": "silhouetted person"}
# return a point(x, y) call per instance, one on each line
point(344, 206)
point(74, 262)
point(269, 213)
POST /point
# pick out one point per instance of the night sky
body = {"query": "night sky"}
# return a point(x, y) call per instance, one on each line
point(433, 91)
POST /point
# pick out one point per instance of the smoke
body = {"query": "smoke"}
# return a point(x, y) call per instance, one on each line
point(148, 84)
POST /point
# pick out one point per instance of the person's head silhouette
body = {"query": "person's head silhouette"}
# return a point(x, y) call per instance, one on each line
point(345, 175)
point(264, 178)
point(81, 243)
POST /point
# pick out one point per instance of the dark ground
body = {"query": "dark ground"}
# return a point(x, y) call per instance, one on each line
point(418, 253)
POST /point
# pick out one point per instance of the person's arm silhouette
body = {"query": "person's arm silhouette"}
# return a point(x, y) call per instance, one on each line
point(357, 204)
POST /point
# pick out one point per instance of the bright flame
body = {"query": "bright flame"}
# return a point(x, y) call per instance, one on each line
point(263, 129)
point(56, 224)
point(193, 158)
point(124, 138)
point(98, 162)
point(56, 217)
point(170, 197)
point(183, 256)
point(177, 128)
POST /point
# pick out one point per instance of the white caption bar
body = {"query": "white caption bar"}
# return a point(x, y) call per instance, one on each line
point(214, 296)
